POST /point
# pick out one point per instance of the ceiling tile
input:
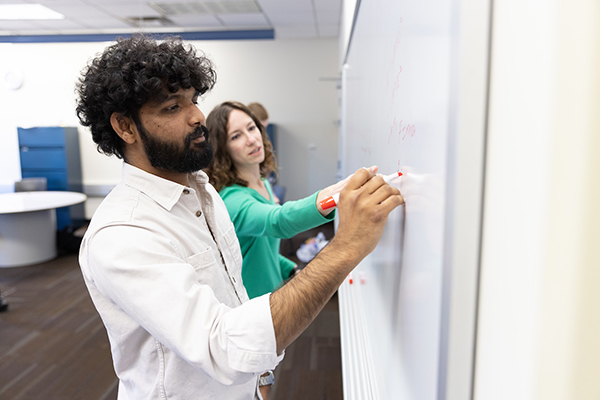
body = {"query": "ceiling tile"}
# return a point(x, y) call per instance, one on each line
point(50, 3)
point(328, 19)
point(272, 7)
point(328, 5)
point(233, 7)
point(247, 20)
point(8, 25)
point(104, 23)
point(298, 18)
point(329, 31)
point(58, 24)
point(132, 10)
point(110, 3)
point(196, 21)
point(78, 10)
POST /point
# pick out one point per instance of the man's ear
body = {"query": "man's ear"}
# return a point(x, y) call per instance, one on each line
point(124, 127)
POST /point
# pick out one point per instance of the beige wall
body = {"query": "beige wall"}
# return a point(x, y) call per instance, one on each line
point(569, 349)
point(539, 310)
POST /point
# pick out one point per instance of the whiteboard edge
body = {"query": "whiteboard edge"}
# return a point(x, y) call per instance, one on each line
point(464, 207)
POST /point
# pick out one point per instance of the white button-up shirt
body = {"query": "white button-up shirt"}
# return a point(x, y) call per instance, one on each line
point(163, 267)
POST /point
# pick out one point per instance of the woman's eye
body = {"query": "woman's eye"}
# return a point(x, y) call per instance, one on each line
point(235, 136)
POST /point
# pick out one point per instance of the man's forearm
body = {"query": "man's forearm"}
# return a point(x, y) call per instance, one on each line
point(363, 210)
point(297, 303)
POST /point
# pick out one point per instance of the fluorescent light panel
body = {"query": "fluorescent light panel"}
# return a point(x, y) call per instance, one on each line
point(27, 11)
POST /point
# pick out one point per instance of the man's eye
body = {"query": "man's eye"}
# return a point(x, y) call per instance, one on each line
point(173, 108)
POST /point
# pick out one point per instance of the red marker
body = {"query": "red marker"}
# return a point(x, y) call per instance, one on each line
point(332, 201)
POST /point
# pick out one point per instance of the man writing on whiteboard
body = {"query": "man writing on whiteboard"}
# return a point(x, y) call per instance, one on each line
point(160, 257)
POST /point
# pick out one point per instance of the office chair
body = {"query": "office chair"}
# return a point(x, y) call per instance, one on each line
point(31, 185)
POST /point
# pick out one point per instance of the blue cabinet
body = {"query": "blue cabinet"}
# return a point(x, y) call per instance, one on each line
point(53, 153)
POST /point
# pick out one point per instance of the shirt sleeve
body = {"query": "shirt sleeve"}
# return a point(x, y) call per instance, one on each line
point(252, 217)
point(160, 291)
point(286, 265)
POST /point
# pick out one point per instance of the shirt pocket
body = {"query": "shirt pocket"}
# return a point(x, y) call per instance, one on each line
point(207, 269)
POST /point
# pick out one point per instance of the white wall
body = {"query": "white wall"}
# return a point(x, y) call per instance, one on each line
point(539, 310)
point(294, 80)
point(286, 76)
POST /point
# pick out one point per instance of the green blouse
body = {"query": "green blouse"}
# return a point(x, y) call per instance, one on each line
point(259, 225)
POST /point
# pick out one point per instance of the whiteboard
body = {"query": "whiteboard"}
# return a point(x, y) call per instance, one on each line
point(414, 90)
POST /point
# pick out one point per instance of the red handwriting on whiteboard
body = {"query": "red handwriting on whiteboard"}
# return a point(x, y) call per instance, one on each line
point(396, 84)
point(401, 130)
point(394, 71)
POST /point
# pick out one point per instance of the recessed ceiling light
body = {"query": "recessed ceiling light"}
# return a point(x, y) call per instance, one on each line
point(27, 11)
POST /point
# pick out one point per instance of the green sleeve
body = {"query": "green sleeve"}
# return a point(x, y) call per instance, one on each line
point(252, 216)
point(287, 265)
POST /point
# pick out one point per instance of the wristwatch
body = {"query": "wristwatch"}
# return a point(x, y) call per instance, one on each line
point(266, 379)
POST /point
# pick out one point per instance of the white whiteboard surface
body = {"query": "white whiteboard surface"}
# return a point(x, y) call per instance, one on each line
point(414, 90)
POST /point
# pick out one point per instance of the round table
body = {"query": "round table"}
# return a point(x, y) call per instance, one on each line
point(28, 225)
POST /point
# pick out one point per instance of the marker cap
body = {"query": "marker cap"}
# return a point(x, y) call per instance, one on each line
point(330, 202)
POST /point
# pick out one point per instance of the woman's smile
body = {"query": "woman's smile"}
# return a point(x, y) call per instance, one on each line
point(256, 151)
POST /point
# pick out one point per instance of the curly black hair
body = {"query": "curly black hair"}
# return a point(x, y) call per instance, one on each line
point(131, 72)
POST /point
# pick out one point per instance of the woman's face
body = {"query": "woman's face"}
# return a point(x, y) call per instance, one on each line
point(244, 141)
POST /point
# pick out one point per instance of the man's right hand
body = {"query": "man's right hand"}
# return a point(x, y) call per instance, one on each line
point(364, 205)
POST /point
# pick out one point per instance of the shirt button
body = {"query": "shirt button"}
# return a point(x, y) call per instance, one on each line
point(185, 191)
point(198, 213)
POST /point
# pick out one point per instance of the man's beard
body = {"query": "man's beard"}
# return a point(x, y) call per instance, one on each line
point(170, 157)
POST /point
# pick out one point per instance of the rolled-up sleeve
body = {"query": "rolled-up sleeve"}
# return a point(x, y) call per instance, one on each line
point(247, 353)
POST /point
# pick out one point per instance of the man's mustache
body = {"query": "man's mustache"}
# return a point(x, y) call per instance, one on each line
point(198, 132)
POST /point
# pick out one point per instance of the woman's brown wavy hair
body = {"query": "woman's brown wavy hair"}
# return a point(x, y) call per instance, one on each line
point(221, 171)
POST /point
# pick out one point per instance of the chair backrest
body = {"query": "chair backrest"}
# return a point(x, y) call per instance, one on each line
point(31, 185)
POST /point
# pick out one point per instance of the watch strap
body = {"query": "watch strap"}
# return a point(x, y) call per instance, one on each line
point(266, 379)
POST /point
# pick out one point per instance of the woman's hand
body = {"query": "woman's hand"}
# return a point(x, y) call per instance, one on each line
point(336, 188)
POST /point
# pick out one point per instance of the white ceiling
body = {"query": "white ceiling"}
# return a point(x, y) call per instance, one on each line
point(289, 18)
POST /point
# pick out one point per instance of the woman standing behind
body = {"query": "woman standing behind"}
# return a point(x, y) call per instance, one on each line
point(242, 161)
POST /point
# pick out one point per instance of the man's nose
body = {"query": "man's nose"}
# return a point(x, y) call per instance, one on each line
point(197, 117)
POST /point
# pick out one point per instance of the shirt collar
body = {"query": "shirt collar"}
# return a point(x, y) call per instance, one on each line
point(163, 191)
